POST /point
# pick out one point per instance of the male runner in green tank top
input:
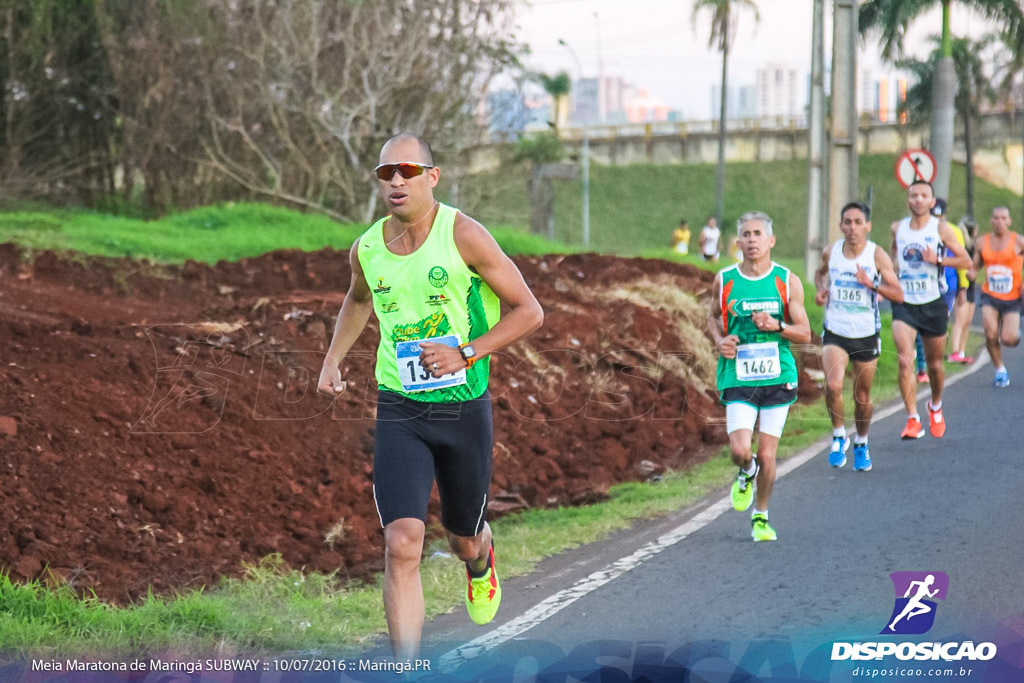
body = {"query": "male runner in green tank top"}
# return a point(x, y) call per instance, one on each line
point(757, 309)
point(434, 278)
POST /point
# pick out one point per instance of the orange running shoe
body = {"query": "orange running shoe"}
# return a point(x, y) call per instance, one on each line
point(936, 425)
point(913, 430)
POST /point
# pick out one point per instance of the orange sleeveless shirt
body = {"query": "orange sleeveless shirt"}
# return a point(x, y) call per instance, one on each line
point(1002, 269)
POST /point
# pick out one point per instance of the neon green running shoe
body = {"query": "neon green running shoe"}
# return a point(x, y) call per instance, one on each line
point(743, 491)
point(483, 595)
point(761, 530)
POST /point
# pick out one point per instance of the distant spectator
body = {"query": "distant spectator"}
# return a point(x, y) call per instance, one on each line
point(681, 238)
point(711, 240)
point(734, 250)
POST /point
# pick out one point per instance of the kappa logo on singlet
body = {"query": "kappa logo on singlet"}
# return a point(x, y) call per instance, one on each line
point(772, 306)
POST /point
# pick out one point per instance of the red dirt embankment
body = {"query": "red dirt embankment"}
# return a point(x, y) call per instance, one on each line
point(159, 426)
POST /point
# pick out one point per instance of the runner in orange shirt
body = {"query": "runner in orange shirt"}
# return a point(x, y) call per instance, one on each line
point(1001, 254)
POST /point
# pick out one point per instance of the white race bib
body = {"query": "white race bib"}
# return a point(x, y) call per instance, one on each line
point(755, 362)
point(1000, 279)
point(414, 378)
point(850, 293)
point(915, 283)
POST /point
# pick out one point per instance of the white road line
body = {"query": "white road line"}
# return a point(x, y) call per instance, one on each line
point(559, 601)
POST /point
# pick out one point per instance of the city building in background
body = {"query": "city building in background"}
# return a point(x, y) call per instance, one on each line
point(741, 104)
point(778, 91)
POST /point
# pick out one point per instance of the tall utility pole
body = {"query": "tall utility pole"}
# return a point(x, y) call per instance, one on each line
point(585, 153)
point(720, 168)
point(816, 143)
point(843, 158)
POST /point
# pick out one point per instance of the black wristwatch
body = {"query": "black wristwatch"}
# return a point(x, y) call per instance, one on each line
point(782, 326)
point(468, 354)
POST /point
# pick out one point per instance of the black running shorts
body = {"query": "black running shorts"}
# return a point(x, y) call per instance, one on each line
point(1001, 305)
point(930, 319)
point(416, 442)
point(760, 397)
point(862, 350)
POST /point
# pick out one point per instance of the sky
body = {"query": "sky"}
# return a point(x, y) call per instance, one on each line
point(656, 45)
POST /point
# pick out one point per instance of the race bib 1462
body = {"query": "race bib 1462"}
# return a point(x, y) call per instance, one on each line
point(755, 362)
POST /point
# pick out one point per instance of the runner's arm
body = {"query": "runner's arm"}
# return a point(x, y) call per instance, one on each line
point(798, 329)
point(889, 286)
point(725, 343)
point(959, 259)
point(355, 311)
point(976, 263)
point(821, 279)
point(892, 246)
point(1020, 249)
point(482, 254)
point(715, 312)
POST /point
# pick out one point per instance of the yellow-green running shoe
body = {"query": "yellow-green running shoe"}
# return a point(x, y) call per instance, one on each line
point(743, 491)
point(483, 595)
point(761, 530)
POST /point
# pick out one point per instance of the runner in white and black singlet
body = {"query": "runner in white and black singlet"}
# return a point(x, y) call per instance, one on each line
point(852, 273)
point(917, 251)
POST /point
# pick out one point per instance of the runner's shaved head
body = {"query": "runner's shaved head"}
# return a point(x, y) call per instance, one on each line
point(425, 151)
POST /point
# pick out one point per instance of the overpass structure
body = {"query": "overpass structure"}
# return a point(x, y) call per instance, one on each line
point(998, 139)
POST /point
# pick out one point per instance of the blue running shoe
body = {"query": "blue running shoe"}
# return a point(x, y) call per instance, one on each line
point(861, 457)
point(1002, 378)
point(837, 456)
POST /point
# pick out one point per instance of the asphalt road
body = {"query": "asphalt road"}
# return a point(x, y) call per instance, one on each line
point(707, 599)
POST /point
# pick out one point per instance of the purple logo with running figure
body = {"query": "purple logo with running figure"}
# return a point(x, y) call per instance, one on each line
point(916, 593)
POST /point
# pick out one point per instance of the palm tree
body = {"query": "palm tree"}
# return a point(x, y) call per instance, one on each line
point(724, 14)
point(893, 17)
point(558, 86)
point(1009, 69)
point(975, 86)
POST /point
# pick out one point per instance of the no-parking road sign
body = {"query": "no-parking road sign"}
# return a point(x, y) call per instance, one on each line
point(915, 164)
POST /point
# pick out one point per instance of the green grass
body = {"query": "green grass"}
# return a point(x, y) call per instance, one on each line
point(633, 209)
point(227, 232)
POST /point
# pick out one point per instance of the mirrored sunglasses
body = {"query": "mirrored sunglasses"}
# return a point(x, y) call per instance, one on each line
point(407, 169)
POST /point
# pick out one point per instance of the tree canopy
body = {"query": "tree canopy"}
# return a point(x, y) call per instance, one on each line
point(182, 102)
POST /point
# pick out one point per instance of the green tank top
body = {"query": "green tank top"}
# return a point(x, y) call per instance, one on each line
point(428, 294)
point(762, 358)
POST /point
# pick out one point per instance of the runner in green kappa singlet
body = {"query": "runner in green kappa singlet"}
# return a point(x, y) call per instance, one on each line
point(757, 309)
